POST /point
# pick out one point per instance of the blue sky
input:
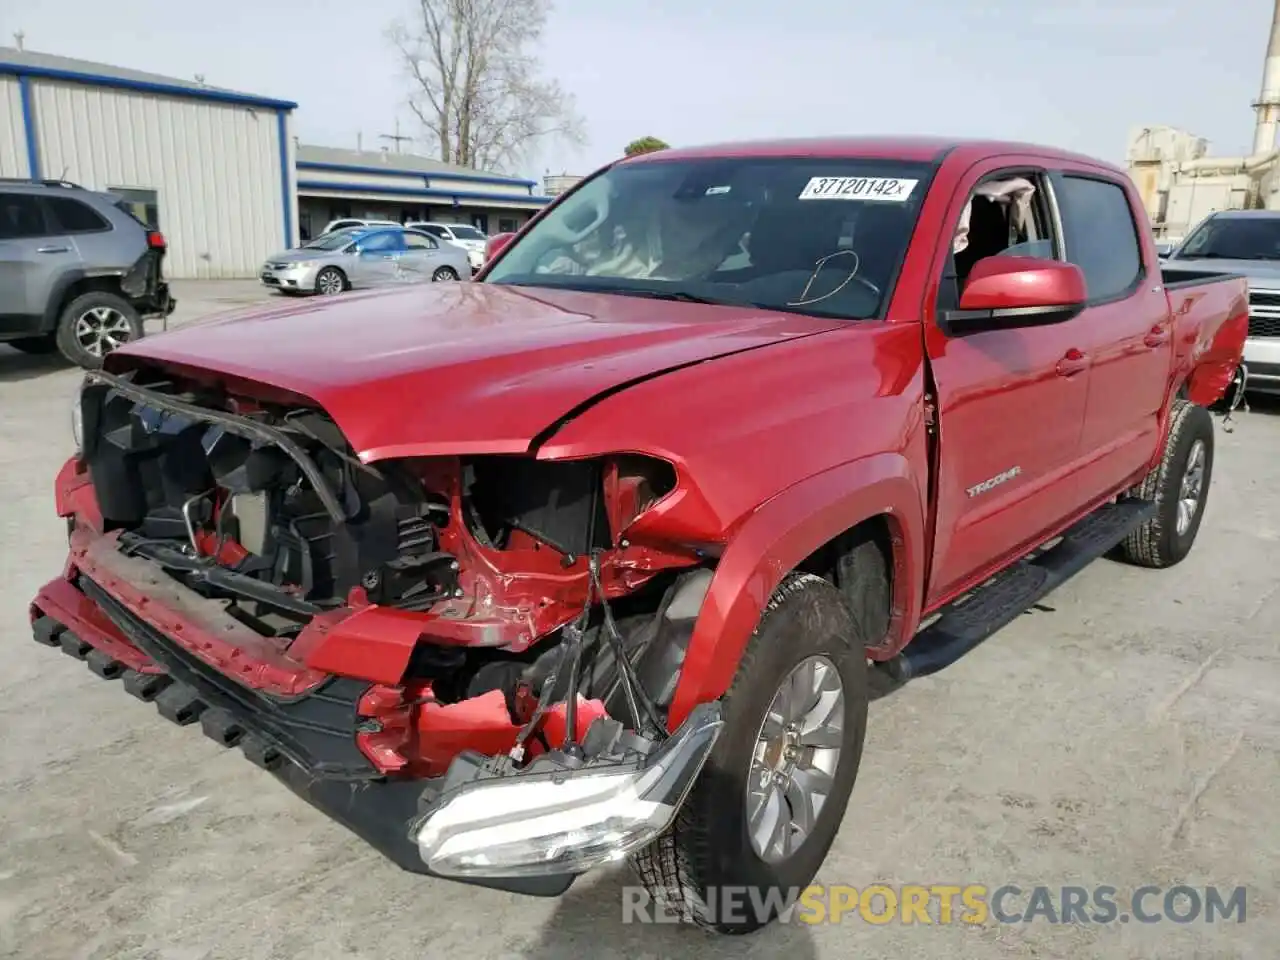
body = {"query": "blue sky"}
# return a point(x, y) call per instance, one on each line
point(1073, 73)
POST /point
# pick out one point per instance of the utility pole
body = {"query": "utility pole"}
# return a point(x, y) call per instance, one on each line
point(18, 38)
point(395, 137)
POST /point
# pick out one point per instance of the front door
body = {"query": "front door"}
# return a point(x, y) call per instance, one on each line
point(1011, 401)
point(378, 259)
point(1127, 327)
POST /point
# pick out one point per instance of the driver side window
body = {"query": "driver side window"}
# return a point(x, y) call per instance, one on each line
point(1006, 215)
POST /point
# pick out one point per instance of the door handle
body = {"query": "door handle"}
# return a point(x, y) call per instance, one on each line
point(1156, 337)
point(1073, 362)
point(53, 250)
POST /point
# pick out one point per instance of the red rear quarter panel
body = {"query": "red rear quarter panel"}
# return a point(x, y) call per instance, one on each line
point(1210, 324)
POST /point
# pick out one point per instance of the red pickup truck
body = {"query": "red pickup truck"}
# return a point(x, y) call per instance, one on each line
point(603, 555)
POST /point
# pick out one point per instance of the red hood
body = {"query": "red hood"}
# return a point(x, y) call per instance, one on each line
point(462, 367)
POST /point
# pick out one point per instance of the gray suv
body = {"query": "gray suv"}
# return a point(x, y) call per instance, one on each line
point(78, 272)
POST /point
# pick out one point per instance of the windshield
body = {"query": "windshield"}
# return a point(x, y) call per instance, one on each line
point(1235, 238)
point(331, 241)
point(811, 235)
point(467, 233)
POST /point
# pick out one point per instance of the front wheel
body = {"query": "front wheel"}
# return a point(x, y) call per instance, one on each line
point(770, 799)
point(93, 325)
point(1178, 486)
point(445, 273)
point(330, 281)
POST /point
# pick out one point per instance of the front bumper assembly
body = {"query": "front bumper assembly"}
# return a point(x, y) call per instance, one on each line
point(531, 831)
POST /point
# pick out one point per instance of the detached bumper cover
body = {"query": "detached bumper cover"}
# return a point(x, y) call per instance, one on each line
point(308, 743)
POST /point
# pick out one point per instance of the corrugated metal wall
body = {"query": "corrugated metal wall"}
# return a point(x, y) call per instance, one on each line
point(13, 137)
point(215, 166)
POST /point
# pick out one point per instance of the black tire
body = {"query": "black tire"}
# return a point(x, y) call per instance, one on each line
point(444, 273)
point(1159, 542)
point(331, 281)
point(94, 324)
point(35, 345)
point(709, 848)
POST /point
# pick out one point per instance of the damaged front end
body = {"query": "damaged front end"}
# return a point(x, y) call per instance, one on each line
point(462, 659)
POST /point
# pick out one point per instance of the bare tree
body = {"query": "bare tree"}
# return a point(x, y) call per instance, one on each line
point(477, 87)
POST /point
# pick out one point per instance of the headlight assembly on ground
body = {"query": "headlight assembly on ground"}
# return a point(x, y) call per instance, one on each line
point(564, 822)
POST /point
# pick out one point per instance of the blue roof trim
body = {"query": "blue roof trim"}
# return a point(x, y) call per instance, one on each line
point(286, 195)
point(29, 128)
point(400, 172)
point(421, 194)
point(167, 89)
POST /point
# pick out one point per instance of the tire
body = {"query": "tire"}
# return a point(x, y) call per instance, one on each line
point(35, 345)
point(331, 281)
point(709, 847)
point(444, 273)
point(94, 324)
point(1166, 539)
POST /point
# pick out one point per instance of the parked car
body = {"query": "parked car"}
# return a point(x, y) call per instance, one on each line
point(470, 238)
point(78, 272)
point(346, 223)
point(587, 559)
point(359, 257)
point(1243, 242)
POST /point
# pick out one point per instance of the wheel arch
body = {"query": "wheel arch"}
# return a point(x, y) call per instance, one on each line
point(803, 529)
point(72, 284)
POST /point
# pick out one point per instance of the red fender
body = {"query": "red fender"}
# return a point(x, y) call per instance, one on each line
point(780, 535)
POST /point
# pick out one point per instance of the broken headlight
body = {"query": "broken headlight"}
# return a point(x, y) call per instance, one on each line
point(77, 422)
point(565, 821)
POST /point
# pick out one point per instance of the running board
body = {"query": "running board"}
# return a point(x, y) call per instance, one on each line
point(972, 619)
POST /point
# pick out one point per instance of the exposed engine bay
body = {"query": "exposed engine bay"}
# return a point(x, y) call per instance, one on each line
point(519, 567)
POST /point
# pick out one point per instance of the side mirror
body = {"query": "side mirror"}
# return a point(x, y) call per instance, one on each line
point(1004, 292)
point(496, 244)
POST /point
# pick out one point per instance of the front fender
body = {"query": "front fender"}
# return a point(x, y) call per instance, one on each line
point(779, 536)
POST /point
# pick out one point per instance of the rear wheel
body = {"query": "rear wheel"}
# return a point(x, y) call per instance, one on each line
point(770, 799)
point(445, 273)
point(1179, 487)
point(330, 281)
point(94, 324)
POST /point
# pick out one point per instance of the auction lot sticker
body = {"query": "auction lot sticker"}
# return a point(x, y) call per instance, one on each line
point(887, 189)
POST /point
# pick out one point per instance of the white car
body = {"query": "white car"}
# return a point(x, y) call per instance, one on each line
point(463, 234)
point(345, 222)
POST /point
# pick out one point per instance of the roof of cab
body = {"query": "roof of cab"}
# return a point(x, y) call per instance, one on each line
point(920, 149)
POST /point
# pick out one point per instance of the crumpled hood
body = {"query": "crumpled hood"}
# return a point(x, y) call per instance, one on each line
point(462, 367)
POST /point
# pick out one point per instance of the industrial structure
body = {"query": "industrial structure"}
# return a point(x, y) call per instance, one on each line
point(219, 172)
point(1181, 184)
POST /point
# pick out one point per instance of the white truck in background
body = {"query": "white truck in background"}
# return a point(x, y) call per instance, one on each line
point(1243, 242)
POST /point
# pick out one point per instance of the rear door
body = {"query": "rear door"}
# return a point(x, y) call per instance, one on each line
point(421, 256)
point(1011, 401)
point(34, 253)
point(1126, 329)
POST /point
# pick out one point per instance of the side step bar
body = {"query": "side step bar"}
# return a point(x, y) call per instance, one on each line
point(976, 616)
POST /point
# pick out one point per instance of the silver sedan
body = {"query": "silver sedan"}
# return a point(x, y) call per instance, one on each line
point(362, 257)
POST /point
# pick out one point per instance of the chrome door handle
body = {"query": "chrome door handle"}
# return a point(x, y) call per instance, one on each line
point(53, 250)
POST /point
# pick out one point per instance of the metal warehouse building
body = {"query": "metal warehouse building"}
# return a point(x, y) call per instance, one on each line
point(219, 172)
point(212, 169)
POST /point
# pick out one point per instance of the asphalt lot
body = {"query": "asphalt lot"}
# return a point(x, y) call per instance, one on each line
point(1127, 734)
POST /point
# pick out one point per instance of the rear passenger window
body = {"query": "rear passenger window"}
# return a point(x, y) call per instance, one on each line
point(72, 216)
point(1100, 234)
point(20, 217)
